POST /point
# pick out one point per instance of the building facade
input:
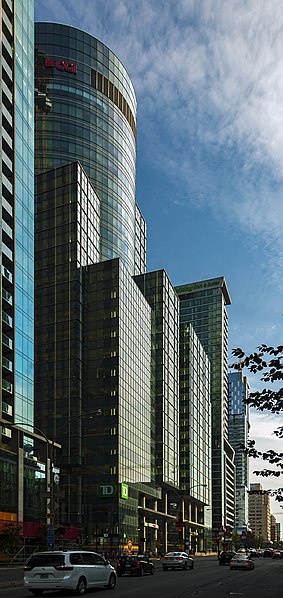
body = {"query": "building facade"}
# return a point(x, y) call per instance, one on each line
point(195, 439)
point(238, 437)
point(259, 513)
point(203, 304)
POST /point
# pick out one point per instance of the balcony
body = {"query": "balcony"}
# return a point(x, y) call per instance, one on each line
point(7, 319)
point(7, 274)
point(7, 409)
point(6, 363)
point(7, 341)
point(7, 296)
point(7, 386)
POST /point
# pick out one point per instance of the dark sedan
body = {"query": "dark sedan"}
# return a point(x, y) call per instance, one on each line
point(226, 556)
point(137, 564)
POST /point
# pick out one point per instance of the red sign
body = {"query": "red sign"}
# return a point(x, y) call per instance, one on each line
point(61, 65)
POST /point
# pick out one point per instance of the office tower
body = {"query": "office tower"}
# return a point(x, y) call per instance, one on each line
point(238, 437)
point(86, 111)
point(195, 438)
point(259, 512)
point(203, 304)
point(161, 296)
point(117, 445)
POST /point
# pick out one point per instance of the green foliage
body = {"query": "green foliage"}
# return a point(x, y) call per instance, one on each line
point(268, 361)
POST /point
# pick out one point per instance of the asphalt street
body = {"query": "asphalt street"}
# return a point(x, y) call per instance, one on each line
point(206, 580)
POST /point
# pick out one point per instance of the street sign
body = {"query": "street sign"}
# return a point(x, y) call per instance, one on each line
point(50, 537)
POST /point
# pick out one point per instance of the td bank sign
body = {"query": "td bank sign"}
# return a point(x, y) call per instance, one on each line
point(106, 490)
point(109, 490)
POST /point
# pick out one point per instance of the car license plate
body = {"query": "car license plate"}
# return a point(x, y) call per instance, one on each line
point(43, 575)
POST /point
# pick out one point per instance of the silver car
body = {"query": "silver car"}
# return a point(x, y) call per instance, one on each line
point(241, 561)
point(75, 570)
point(177, 560)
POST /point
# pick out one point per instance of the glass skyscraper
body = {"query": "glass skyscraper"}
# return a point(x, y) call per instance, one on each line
point(23, 476)
point(203, 304)
point(86, 111)
point(17, 254)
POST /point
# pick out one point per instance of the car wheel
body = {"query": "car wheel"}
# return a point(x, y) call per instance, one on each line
point(192, 565)
point(112, 582)
point(151, 571)
point(81, 587)
point(142, 572)
point(37, 592)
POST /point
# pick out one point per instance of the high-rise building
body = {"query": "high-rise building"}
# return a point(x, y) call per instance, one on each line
point(238, 437)
point(203, 304)
point(85, 109)
point(259, 512)
point(24, 454)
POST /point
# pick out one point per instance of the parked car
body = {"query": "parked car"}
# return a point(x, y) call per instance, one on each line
point(177, 560)
point(241, 561)
point(75, 570)
point(254, 553)
point(277, 554)
point(226, 556)
point(267, 553)
point(137, 564)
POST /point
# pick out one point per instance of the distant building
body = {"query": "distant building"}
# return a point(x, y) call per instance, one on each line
point(259, 512)
point(238, 428)
point(274, 530)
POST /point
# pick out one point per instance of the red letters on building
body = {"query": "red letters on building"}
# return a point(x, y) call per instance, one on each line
point(61, 65)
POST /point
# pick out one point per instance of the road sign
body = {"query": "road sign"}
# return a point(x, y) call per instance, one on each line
point(50, 537)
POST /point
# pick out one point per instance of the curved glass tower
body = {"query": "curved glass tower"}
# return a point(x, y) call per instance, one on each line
point(86, 111)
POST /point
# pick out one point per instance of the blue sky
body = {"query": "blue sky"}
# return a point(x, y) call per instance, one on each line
point(209, 83)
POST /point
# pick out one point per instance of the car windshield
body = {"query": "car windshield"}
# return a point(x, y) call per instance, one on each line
point(46, 560)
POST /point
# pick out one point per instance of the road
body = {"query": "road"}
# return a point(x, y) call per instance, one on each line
point(207, 580)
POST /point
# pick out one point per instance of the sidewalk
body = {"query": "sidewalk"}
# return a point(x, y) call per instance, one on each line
point(11, 577)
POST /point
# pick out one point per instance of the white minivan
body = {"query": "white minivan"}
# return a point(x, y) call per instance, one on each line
point(74, 570)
